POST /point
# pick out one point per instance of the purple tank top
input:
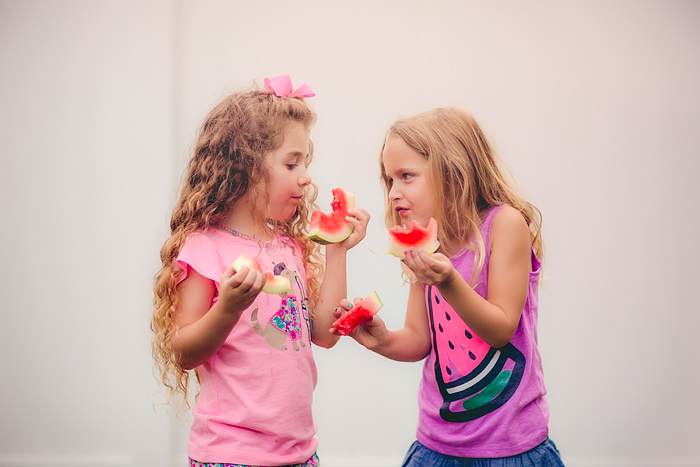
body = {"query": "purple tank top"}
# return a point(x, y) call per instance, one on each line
point(476, 400)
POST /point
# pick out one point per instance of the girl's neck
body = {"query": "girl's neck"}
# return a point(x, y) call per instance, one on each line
point(242, 220)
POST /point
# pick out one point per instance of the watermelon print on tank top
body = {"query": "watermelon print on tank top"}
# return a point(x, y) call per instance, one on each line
point(473, 377)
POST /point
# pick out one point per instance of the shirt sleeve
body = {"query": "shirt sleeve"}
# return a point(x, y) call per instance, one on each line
point(199, 254)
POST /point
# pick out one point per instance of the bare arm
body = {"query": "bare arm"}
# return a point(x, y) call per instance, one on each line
point(333, 289)
point(496, 319)
point(335, 284)
point(202, 328)
point(408, 344)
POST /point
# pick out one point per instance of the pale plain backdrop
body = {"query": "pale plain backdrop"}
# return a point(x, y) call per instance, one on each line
point(593, 105)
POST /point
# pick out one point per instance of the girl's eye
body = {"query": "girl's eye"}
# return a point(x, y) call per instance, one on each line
point(407, 175)
point(291, 166)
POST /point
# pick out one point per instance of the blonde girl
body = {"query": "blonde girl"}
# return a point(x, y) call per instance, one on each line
point(247, 190)
point(472, 307)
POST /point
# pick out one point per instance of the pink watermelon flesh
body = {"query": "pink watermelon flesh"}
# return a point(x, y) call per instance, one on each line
point(417, 237)
point(358, 314)
point(333, 227)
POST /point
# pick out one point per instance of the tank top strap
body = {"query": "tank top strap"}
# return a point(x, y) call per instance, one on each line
point(486, 227)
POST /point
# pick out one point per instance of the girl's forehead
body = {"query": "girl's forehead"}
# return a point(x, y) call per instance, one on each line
point(396, 151)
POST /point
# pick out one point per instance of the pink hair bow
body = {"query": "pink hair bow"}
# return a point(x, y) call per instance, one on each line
point(282, 87)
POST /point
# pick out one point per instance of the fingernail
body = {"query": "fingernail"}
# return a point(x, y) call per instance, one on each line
point(349, 305)
point(405, 252)
point(420, 251)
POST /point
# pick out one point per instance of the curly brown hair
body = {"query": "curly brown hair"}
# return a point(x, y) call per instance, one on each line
point(229, 161)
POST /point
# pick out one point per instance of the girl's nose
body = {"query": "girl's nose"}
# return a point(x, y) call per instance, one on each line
point(393, 193)
point(304, 177)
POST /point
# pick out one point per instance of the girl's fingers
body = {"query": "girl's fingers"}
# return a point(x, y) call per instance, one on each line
point(237, 279)
point(359, 213)
point(247, 280)
point(344, 307)
point(358, 218)
point(229, 272)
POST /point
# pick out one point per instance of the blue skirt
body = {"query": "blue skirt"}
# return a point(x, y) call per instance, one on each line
point(544, 455)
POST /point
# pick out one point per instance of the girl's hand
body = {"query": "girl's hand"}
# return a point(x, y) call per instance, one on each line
point(359, 218)
point(371, 333)
point(239, 288)
point(432, 269)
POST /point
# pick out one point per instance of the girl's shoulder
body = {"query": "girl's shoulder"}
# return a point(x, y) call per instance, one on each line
point(198, 239)
point(507, 215)
point(508, 224)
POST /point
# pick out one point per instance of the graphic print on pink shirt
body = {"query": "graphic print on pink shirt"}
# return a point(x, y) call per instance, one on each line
point(286, 322)
point(474, 378)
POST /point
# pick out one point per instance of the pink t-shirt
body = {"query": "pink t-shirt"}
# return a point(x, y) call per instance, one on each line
point(475, 400)
point(254, 405)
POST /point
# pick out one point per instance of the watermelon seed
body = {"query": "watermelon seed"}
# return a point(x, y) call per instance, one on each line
point(466, 333)
point(440, 327)
point(472, 356)
point(437, 299)
point(447, 369)
point(451, 345)
point(447, 315)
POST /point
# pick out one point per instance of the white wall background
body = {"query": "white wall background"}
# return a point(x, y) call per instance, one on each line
point(594, 105)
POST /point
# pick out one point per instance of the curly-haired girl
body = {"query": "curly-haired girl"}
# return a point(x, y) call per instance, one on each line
point(247, 190)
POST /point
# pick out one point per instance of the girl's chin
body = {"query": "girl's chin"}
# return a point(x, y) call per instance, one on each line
point(282, 216)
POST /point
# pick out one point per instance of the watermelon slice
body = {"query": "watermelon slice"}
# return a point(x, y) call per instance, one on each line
point(358, 314)
point(401, 239)
point(333, 227)
point(273, 284)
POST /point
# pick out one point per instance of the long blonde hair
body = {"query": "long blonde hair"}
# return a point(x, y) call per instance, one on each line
point(228, 161)
point(465, 178)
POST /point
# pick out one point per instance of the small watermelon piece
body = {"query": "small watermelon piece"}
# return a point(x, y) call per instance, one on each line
point(358, 314)
point(273, 284)
point(417, 237)
point(333, 227)
point(246, 260)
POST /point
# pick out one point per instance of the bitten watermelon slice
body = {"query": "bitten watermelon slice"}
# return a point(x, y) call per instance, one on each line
point(401, 239)
point(273, 284)
point(358, 314)
point(333, 227)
